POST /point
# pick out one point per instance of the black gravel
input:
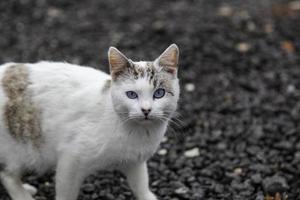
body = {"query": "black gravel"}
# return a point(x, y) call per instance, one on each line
point(242, 58)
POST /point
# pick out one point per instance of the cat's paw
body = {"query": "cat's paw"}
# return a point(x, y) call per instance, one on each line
point(29, 188)
point(148, 196)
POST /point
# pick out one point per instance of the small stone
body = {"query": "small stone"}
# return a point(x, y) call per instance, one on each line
point(243, 47)
point(181, 190)
point(225, 11)
point(260, 168)
point(54, 12)
point(47, 184)
point(256, 178)
point(258, 131)
point(284, 145)
point(31, 189)
point(198, 193)
point(275, 184)
point(238, 171)
point(162, 152)
point(291, 89)
point(190, 87)
point(95, 196)
point(88, 188)
point(155, 183)
point(243, 14)
point(269, 28)
point(297, 156)
point(111, 196)
point(218, 188)
point(288, 46)
point(221, 146)
point(159, 26)
point(165, 139)
point(251, 26)
point(260, 196)
point(192, 153)
point(294, 5)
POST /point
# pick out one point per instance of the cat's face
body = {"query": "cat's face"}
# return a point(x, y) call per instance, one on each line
point(145, 92)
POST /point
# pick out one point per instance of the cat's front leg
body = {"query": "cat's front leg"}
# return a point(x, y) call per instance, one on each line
point(13, 184)
point(68, 177)
point(137, 177)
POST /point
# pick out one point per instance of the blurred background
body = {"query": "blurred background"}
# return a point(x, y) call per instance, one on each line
point(238, 133)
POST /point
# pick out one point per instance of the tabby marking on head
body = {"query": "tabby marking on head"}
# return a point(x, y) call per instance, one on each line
point(21, 115)
point(160, 73)
point(150, 72)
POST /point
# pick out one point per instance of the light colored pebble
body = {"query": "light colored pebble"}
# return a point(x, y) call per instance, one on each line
point(244, 14)
point(190, 87)
point(164, 139)
point(47, 184)
point(294, 5)
point(291, 89)
point(238, 171)
point(243, 47)
point(182, 190)
point(192, 152)
point(54, 12)
point(251, 26)
point(269, 28)
point(225, 11)
point(162, 152)
point(29, 188)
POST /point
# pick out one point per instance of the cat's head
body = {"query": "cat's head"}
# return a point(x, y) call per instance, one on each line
point(144, 92)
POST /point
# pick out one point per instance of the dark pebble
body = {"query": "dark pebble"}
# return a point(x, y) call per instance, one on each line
point(275, 184)
point(88, 188)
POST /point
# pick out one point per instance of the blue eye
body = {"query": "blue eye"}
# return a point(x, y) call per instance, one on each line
point(159, 93)
point(131, 94)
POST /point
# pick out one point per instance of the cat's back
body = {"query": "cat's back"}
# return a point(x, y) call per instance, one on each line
point(49, 78)
point(57, 73)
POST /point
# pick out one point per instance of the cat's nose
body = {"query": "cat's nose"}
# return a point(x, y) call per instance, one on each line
point(146, 111)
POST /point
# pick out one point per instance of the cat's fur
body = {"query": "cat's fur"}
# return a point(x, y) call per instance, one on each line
point(77, 120)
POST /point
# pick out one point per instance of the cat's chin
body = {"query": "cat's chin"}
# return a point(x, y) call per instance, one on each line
point(145, 121)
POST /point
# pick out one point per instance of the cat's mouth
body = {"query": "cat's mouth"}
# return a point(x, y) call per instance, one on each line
point(147, 118)
point(144, 119)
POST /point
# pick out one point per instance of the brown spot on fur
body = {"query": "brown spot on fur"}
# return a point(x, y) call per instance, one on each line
point(22, 117)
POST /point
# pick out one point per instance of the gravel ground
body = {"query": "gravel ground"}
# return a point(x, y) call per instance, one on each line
point(238, 134)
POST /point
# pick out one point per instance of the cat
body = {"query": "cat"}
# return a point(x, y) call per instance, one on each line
point(77, 120)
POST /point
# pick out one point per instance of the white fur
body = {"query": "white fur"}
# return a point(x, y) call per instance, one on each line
point(81, 131)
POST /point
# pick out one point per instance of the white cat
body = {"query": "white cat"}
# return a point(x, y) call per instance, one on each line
point(77, 120)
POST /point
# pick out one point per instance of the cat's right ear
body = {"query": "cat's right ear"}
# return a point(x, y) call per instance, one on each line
point(118, 62)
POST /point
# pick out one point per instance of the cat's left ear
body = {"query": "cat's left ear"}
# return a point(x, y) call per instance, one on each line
point(168, 60)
